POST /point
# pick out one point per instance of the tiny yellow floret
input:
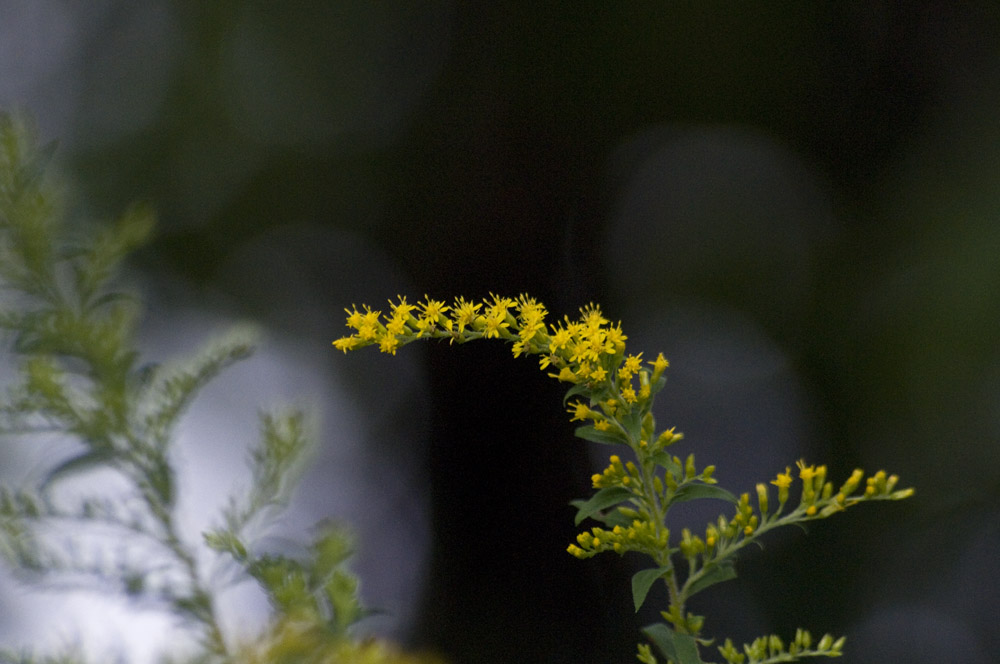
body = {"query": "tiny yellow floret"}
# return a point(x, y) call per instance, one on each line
point(806, 473)
point(660, 364)
point(345, 343)
point(580, 411)
point(784, 480)
point(464, 313)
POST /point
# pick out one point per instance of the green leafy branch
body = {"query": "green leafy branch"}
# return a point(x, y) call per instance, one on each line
point(612, 395)
point(72, 333)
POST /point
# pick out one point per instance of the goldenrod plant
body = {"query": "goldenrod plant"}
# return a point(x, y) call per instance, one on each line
point(611, 393)
point(71, 333)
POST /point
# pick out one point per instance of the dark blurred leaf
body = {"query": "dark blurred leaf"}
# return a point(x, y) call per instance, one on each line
point(606, 497)
point(643, 581)
point(695, 491)
point(681, 648)
point(593, 435)
point(724, 571)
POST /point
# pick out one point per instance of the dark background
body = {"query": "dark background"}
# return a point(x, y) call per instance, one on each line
point(796, 202)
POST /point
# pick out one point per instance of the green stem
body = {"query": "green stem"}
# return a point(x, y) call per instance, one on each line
point(199, 604)
point(659, 518)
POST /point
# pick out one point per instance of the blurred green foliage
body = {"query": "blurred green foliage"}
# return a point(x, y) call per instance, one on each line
point(71, 331)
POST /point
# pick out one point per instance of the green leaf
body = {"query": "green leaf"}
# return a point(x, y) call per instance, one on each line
point(681, 648)
point(723, 571)
point(174, 388)
point(633, 422)
point(593, 435)
point(331, 549)
point(664, 460)
point(611, 518)
point(224, 541)
point(580, 388)
point(657, 385)
point(696, 491)
point(606, 497)
point(161, 479)
point(643, 581)
point(79, 464)
point(341, 591)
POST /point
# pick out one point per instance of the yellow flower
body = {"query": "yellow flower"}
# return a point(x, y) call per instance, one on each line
point(566, 375)
point(615, 338)
point(580, 411)
point(367, 324)
point(353, 317)
point(784, 480)
point(560, 338)
point(424, 326)
point(595, 345)
point(591, 316)
point(633, 363)
point(526, 304)
point(659, 364)
point(402, 309)
point(494, 325)
point(531, 316)
point(388, 344)
point(464, 313)
point(368, 331)
point(346, 343)
point(396, 326)
point(500, 306)
point(432, 310)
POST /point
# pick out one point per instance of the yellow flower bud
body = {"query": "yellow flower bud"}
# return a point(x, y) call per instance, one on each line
point(762, 498)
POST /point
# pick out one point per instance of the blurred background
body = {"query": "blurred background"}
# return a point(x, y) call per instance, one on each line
point(798, 203)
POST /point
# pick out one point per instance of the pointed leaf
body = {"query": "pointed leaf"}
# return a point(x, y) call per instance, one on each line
point(595, 436)
point(643, 581)
point(722, 572)
point(681, 648)
point(657, 385)
point(695, 491)
point(664, 460)
point(633, 422)
point(610, 518)
point(79, 464)
point(606, 497)
point(579, 388)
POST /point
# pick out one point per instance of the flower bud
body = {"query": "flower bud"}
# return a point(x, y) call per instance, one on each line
point(762, 497)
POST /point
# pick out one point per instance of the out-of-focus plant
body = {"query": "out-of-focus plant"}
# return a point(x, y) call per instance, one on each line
point(71, 334)
point(612, 396)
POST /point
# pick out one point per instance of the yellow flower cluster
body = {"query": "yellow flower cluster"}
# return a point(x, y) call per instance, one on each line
point(818, 496)
point(641, 536)
point(588, 351)
point(772, 649)
point(617, 474)
point(818, 500)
